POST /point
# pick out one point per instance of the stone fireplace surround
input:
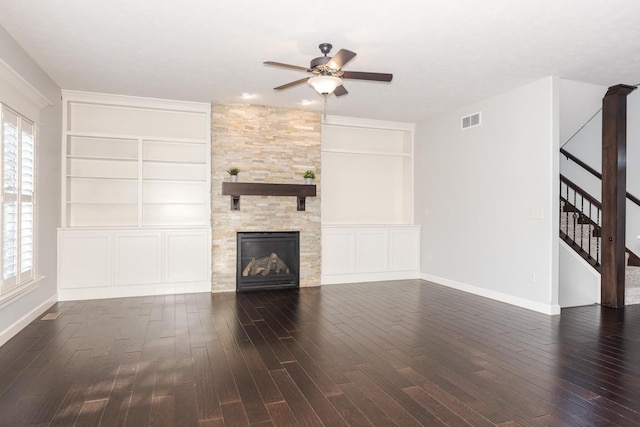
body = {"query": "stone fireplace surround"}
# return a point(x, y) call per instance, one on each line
point(269, 145)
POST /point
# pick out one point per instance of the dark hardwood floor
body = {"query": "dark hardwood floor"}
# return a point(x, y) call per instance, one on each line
point(390, 353)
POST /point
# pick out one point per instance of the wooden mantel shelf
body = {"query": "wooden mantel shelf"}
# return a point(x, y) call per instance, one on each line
point(237, 189)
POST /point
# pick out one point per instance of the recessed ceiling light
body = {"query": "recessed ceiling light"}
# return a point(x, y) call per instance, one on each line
point(246, 95)
point(306, 102)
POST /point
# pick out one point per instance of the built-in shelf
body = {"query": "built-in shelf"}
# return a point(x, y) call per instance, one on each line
point(237, 189)
point(116, 159)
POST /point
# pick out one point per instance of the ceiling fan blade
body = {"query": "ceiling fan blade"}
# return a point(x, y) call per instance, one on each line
point(340, 90)
point(280, 64)
point(288, 85)
point(341, 58)
point(361, 75)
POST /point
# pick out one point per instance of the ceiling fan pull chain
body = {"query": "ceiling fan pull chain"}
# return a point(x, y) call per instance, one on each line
point(325, 107)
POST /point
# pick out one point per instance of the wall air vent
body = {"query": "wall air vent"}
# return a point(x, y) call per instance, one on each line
point(471, 121)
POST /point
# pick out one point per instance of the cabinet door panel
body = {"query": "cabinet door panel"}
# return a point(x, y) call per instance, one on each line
point(86, 260)
point(137, 258)
point(187, 256)
point(339, 252)
point(372, 250)
point(404, 249)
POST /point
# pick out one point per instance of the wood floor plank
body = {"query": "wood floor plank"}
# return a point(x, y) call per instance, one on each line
point(206, 397)
point(91, 413)
point(142, 394)
point(368, 407)
point(321, 405)
point(300, 407)
point(258, 370)
point(163, 411)
point(234, 414)
point(394, 410)
point(281, 414)
point(386, 353)
point(253, 405)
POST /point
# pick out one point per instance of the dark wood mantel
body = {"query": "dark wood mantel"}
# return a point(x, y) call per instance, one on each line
point(237, 189)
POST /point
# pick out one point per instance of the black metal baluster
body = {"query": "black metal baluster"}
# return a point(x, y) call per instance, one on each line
point(598, 240)
point(590, 228)
point(567, 210)
point(575, 215)
point(581, 223)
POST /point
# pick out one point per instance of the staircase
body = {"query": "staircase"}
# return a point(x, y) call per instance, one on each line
point(606, 131)
point(580, 228)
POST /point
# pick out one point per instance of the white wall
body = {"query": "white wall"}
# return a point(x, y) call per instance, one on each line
point(579, 282)
point(580, 132)
point(578, 103)
point(487, 197)
point(633, 170)
point(18, 312)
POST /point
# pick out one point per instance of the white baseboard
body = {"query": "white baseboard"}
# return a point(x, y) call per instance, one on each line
point(21, 323)
point(550, 309)
point(131, 291)
point(333, 279)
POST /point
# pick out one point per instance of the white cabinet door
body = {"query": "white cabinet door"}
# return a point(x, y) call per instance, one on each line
point(338, 252)
point(187, 256)
point(404, 249)
point(85, 259)
point(373, 250)
point(137, 258)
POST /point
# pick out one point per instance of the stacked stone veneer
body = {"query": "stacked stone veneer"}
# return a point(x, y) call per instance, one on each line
point(270, 145)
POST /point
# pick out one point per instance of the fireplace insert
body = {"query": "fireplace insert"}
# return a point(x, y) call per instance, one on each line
point(268, 260)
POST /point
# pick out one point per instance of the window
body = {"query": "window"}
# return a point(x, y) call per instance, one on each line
point(18, 199)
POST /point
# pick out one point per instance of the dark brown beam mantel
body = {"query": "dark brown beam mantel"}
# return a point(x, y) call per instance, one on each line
point(237, 189)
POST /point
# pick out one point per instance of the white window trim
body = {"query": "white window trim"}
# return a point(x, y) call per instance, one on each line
point(20, 96)
point(20, 291)
point(20, 287)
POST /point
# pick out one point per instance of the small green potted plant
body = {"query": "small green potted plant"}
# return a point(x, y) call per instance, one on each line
point(233, 174)
point(309, 176)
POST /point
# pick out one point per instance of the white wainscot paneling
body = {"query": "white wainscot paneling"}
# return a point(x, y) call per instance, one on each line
point(340, 256)
point(372, 250)
point(370, 253)
point(137, 258)
point(404, 249)
point(187, 257)
point(112, 263)
point(85, 260)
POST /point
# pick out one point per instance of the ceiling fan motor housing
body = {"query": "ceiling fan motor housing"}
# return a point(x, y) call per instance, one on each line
point(321, 60)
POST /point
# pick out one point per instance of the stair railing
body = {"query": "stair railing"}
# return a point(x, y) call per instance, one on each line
point(591, 216)
point(580, 221)
point(593, 172)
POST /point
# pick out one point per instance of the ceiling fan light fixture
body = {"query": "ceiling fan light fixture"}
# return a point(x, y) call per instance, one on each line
point(325, 85)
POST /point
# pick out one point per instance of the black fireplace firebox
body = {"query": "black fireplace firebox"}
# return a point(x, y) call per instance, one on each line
point(268, 260)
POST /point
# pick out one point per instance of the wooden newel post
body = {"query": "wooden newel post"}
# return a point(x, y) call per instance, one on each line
point(614, 191)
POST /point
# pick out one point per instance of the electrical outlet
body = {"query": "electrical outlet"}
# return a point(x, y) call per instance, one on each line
point(532, 277)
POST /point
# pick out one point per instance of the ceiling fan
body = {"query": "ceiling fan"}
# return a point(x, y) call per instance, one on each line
point(327, 72)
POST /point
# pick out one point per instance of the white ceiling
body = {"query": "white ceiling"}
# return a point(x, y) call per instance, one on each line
point(443, 54)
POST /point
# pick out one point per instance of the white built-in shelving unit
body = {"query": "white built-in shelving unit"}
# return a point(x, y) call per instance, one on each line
point(133, 167)
point(368, 230)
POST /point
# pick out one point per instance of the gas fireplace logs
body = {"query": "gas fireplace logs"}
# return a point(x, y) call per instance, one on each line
point(265, 265)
